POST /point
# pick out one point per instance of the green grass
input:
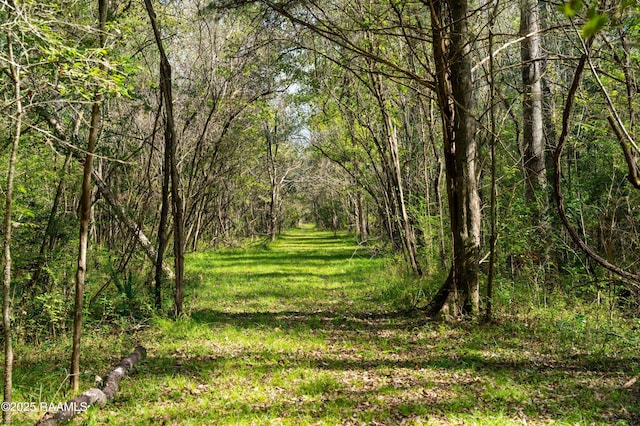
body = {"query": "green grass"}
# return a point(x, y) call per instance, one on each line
point(308, 331)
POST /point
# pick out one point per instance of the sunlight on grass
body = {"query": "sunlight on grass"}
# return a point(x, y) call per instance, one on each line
point(307, 331)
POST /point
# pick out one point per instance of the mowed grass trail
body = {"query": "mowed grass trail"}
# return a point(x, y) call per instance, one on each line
point(304, 332)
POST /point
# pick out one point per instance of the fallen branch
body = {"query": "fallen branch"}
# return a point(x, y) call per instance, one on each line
point(131, 226)
point(634, 172)
point(94, 396)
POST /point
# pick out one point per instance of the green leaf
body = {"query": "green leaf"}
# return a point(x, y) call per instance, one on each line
point(570, 8)
point(595, 23)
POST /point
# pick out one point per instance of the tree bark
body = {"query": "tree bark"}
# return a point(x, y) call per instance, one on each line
point(409, 234)
point(272, 156)
point(451, 47)
point(391, 163)
point(163, 235)
point(533, 125)
point(85, 212)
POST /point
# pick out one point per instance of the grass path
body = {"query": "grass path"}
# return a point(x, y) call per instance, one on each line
point(299, 332)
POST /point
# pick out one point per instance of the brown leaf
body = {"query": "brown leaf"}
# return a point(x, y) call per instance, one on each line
point(630, 383)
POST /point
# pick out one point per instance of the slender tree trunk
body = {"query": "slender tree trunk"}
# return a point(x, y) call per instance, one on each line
point(409, 235)
point(391, 163)
point(494, 184)
point(178, 227)
point(171, 165)
point(85, 213)
point(273, 213)
point(6, 243)
point(362, 217)
point(163, 237)
point(272, 153)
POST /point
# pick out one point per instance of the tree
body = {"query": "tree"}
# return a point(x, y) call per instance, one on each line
point(454, 92)
point(16, 75)
point(85, 213)
point(533, 127)
point(170, 172)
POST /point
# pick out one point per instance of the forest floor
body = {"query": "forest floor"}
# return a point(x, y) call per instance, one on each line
point(304, 331)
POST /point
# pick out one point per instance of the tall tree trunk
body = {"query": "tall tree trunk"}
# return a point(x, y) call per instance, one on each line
point(273, 213)
point(493, 212)
point(272, 154)
point(409, 235)
point(85, 213)
point(533, 126)
point(6, 243)
point(171, 165)
point(163, 235)
point(362, 217)
point(178, 224)
point(467, 254)
point(451, 46)
point(391, 163)
point(548, 99)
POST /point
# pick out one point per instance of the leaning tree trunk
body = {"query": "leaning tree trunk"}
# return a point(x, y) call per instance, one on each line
point(451, 47)
point(134, 229)
point(409, 234)
point(391, 162)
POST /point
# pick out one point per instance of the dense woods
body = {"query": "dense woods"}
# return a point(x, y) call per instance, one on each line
point(489, 145)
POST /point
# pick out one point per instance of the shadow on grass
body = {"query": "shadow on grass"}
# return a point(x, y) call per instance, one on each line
point(304, 320)
point(408, 376)
point(382, 366)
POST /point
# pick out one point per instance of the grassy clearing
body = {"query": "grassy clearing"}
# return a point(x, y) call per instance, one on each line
point(307, 331)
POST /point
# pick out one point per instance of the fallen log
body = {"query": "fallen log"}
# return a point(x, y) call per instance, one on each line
point(94, 396)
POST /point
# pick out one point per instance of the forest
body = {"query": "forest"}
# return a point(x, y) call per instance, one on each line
point(320, 212)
